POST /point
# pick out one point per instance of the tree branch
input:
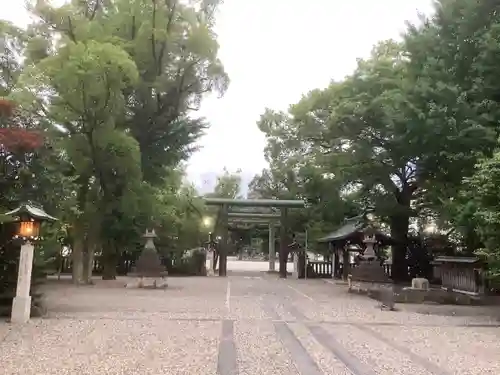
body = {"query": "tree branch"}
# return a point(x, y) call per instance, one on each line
point(94, 10)
point(71, 32)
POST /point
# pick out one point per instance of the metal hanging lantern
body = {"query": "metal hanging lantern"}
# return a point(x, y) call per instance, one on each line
point(29, 218)
point(28, 228)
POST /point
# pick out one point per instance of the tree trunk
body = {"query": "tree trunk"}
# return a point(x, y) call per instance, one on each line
point(283, 258)
point(223, 262)
point(399, 233)
point(346, 264)
point(85, 262)
point(109, 268)
point(336, 264)
point(60, 264)
point(400, 222)
point(109, 262)
point(216, 259)
point(92, 244)
point(77, 254)
point(90, 265)
point(88, 262)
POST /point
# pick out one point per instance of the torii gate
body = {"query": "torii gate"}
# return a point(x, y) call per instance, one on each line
point(226, 213)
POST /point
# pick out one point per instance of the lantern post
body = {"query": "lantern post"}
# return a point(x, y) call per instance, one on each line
point(28, 218)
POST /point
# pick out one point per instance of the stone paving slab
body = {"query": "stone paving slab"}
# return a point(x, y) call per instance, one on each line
point(327, 362)
point(378, 356)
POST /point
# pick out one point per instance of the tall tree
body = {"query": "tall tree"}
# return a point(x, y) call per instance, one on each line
point(228, 185)
point(175, 49)
point(120, 77)
point(370, 135)
point(452, 69)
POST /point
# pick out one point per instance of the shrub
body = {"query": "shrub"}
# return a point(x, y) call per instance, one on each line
point(192, 264)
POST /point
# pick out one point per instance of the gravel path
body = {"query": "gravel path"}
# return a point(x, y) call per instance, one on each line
point(242, 325)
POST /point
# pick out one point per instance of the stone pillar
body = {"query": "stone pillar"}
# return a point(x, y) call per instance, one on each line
point(296, 267)
point(272, 249)
point(334, 258)
point(21, 306)
point(223, 244)
point(283, 243)
point(211, 256)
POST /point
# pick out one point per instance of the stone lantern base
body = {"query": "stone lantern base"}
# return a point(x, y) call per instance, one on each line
point(148, 283)
point(370, 271)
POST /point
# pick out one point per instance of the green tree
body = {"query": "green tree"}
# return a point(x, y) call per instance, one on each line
point(483, 193)
point(452, 70)
point(175, 50)
point(370, 135)
point(228, 185)
point(120, 77)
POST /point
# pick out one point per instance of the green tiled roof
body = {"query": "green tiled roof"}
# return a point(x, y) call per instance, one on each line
point(350, 227)
point(31, 210)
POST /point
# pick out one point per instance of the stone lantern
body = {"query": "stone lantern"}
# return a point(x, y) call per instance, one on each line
point(150, 271)
point(369, 240)
point(28, 218)
point(369, 269)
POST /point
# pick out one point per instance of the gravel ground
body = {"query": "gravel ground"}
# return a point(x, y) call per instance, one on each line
point(261, 352)
point(459, 350)
point(378, 355)
point(253, 324)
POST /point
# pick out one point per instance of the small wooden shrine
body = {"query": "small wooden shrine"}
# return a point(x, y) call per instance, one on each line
point(356, 247)
point(460, 274)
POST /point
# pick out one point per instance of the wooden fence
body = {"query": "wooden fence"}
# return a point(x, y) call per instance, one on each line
point(125, 264)
point(123, 267)
point(324, 269)
point(321, 269)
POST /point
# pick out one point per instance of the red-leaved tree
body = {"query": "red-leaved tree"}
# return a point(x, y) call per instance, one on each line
point(14, 135)
point(19, 142)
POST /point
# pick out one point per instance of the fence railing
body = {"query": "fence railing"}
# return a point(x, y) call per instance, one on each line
point(125, 264)
point(324, 269)
point(321, 269)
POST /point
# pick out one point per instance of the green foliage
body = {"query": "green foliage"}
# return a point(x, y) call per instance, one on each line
point(400, 134)
point(193, 264)
point(111, 84)
point(483, 196)
point(228, 185)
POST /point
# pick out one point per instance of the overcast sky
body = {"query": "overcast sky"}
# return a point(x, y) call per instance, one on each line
point(274, 51)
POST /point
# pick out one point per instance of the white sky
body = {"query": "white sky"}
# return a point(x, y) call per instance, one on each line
point(274, 51)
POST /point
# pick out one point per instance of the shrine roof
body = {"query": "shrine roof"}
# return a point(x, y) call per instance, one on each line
point(32, 211)
point(456, 259)
point(350, 227)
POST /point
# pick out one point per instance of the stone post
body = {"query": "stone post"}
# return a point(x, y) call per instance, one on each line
point(334, 257)
point(223, 244)
point(296, 267)
point(272, 249)
point(21, 306)
point(211, 256)
point(283, 258)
